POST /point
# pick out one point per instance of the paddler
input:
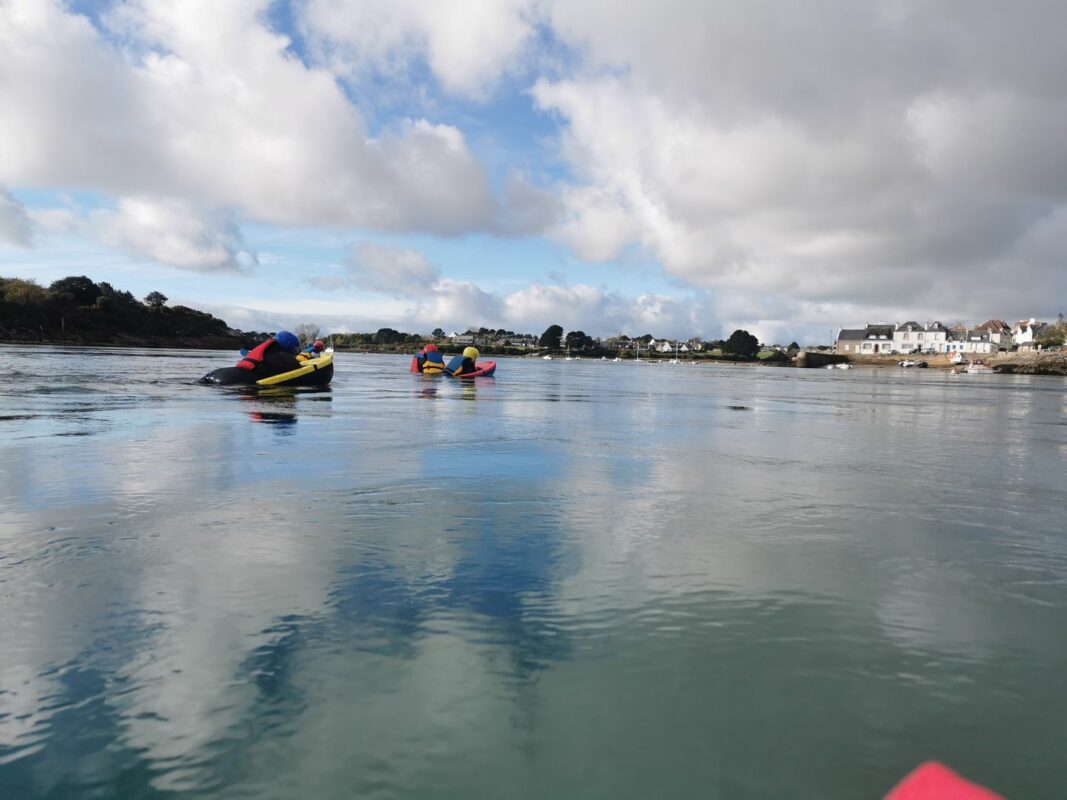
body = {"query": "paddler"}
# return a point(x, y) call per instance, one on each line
point(430, 361)
point(463, 364)
point(313, 350)
point(274, 356)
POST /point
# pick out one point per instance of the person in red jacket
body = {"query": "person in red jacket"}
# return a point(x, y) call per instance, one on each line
point(274, 356)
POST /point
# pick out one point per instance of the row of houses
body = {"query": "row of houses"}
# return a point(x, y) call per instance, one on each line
point(613, 343)
point(991, 336)
point(653, 345)
point(479, 340)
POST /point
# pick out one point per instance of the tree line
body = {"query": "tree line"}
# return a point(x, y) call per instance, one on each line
point(75, 309)
point(741, 343)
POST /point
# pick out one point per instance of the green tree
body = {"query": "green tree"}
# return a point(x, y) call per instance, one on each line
point(1054, 335)
point(741, 343)
point(577, 340)
point(438, 333)
point(22, 292)
point(76, 290)
point(793, 347)
point(388, 336)
point(551, 337)
point(155, 300)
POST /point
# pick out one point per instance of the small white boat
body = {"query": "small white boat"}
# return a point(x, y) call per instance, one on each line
point(979, 367)
point(547, 358)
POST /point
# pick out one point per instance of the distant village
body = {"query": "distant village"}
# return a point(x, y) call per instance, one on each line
point(579, 341)
point(992, 336)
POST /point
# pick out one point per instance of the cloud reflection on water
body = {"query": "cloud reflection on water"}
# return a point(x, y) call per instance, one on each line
point(568, 582)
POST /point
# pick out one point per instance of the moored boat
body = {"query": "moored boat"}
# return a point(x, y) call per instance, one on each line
point(978, 367)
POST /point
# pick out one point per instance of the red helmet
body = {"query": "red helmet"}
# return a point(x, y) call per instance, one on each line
point(430, 348)
point(319, 344)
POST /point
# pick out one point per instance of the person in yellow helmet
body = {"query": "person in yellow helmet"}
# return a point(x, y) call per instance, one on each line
point(463, 364)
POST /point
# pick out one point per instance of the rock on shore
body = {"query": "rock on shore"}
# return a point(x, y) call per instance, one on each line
point(1036, 364)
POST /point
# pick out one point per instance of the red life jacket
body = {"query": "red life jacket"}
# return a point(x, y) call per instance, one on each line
point(255, 355)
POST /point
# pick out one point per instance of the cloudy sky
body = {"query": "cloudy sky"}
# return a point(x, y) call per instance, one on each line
point(677, 167)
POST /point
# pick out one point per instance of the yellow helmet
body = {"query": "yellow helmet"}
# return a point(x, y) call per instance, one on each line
point(471, 353)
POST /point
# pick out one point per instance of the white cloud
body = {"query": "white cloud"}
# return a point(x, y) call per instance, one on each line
point(527, 208)
point(14, 222)
point(800, 162)
point(219, 114)
point(835, 153)
point(174, 233)
point(56, 220)
point(466, 48)
point(400, 272)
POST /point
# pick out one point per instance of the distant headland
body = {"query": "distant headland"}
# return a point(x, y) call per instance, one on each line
point(77, 311)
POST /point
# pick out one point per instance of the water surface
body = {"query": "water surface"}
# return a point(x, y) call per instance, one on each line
point(580, 579)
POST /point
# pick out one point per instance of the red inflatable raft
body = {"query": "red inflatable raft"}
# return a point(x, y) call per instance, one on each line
point(485, 370)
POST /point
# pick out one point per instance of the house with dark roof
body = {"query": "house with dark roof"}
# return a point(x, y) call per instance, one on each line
point(848, 341)
point(866, 341)
point(999, 332)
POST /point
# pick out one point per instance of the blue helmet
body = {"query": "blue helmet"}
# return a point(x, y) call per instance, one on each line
point(288, 341)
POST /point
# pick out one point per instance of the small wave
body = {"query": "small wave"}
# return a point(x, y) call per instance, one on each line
point(68, 389)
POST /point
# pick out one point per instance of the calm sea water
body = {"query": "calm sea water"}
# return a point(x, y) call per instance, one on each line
point(580, 579)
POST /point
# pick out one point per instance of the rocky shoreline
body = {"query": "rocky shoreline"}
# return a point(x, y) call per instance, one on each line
point(1054, 363)
point(1045, 363)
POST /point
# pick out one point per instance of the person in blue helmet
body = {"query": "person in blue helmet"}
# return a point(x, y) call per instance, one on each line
point(463, 364)
point(274, 356)
point(313, 350)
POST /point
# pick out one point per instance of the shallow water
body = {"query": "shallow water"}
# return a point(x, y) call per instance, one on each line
point(580, 579)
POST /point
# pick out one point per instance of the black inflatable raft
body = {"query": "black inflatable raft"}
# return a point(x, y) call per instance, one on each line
point(316, 372)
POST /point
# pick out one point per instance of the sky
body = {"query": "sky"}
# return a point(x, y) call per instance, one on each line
point(678, 167)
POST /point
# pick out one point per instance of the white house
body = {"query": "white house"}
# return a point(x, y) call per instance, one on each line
point(936, 337)
point(910, 336)
point(975, 341)
point(1022, 335)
